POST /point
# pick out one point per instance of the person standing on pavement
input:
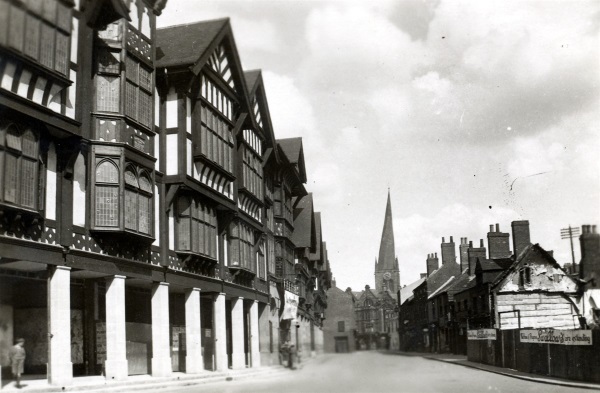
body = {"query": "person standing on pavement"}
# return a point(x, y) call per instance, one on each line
point(17, 360)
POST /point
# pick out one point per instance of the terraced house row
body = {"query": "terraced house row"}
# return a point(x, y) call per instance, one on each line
point(150, 222)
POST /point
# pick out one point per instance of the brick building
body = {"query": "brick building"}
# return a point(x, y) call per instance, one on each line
point(146, 218)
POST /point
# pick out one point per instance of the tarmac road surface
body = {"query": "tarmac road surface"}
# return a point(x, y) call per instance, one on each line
point(372, 371)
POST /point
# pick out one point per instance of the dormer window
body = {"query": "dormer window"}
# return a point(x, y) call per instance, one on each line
point(525, 276)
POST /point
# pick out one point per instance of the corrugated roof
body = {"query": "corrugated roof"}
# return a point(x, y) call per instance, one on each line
point(184, 44)
point(303, 222)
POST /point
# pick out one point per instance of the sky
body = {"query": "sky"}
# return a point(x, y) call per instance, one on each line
point(470, 112)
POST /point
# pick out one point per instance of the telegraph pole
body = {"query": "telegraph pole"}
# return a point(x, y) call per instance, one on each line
point(568, 233)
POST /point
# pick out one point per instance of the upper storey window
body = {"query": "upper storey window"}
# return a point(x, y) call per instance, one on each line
point(123, 198)
point(138, 91)
point(216, 139)
point(196, 227)
point(20, 167)
point(242, 252)
point(41, 30)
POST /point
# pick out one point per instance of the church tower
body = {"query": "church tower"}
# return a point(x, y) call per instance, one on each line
point(387, 273)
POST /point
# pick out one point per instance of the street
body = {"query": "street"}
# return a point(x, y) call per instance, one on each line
point(379, 372)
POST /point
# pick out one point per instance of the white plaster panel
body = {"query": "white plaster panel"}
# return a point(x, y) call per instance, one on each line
point(157, 217)
point(188, 156)
point(172, 109)
point(79, 192)
point(171, 230)
point(172, 154)
point(188, 115)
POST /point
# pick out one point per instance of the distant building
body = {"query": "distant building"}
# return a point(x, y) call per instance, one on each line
point(339, 327)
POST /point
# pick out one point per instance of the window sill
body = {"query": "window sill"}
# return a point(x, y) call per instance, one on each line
point(130, 235)
point(242, 272)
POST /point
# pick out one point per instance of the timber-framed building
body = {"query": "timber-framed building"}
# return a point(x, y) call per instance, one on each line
point(146, 218)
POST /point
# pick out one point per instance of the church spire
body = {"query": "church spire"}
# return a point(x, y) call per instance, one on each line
point(387, 252)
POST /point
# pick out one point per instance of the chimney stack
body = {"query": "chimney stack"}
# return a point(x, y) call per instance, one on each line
point(464, 257)
point(590, 255)
point(473, 254)
point(521, 240)
point(498, 243)
point(432, 263)
point(448, 251)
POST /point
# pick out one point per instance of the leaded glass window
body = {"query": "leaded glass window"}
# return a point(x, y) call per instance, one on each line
point(19, 166)
point(196, 227)
point(107, 194)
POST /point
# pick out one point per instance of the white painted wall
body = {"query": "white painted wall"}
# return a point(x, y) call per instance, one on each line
point(172, 159)
point(172, 109)
point(171, 230)
point(157, 217)
point(188, 156)
point(79, 191)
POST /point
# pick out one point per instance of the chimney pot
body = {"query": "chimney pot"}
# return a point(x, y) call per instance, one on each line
point(443, 240)
point(436, 255)
point(481, 243)
point(451, 239)
point(471, 244)
point(491, 227)
point(593, 229)
point(497, 227)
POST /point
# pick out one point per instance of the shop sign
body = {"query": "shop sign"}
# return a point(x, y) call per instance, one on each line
point(481, 334)
point(290, 309)
point(554, 336)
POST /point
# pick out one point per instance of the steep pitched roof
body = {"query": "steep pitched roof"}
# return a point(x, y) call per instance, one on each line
point(387, 251)
point(462, 283)
point(440, 276)
point(252, 77)
point(535, 255)
point(316, 255)
point(304, 224)
point(442, 288)
point(292, 147)
point(407, 291)
point(183, 44)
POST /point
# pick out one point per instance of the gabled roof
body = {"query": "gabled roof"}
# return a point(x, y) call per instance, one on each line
point(443, 288)
point(530, 256)
point(316, 256)
point(303, 235)
point(407, 291)
point(252, 78)
point(183, 44)
point(292, 147)
point(440, 276)
point(462, 283)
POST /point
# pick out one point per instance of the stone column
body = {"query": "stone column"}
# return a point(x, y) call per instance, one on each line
point(220, 333)
point(254, 335)
point(238, 356)
point(116, 347)
point(161, 351)
point(60, 368)
point(193, 358)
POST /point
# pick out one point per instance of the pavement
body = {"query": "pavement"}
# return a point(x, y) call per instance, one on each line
point(183, 382)
point(462, 360)
point(90, 384)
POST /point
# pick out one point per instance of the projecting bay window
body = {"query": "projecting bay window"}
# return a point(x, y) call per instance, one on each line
point(123, 198)
point(252, 173)
point(261, 260)
point(20, 176)
point(196, 227)
point(241, 254)
point(41, 30)
point(283, 204)
point(108, 80)
point(138, 91)
point(138, 200)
